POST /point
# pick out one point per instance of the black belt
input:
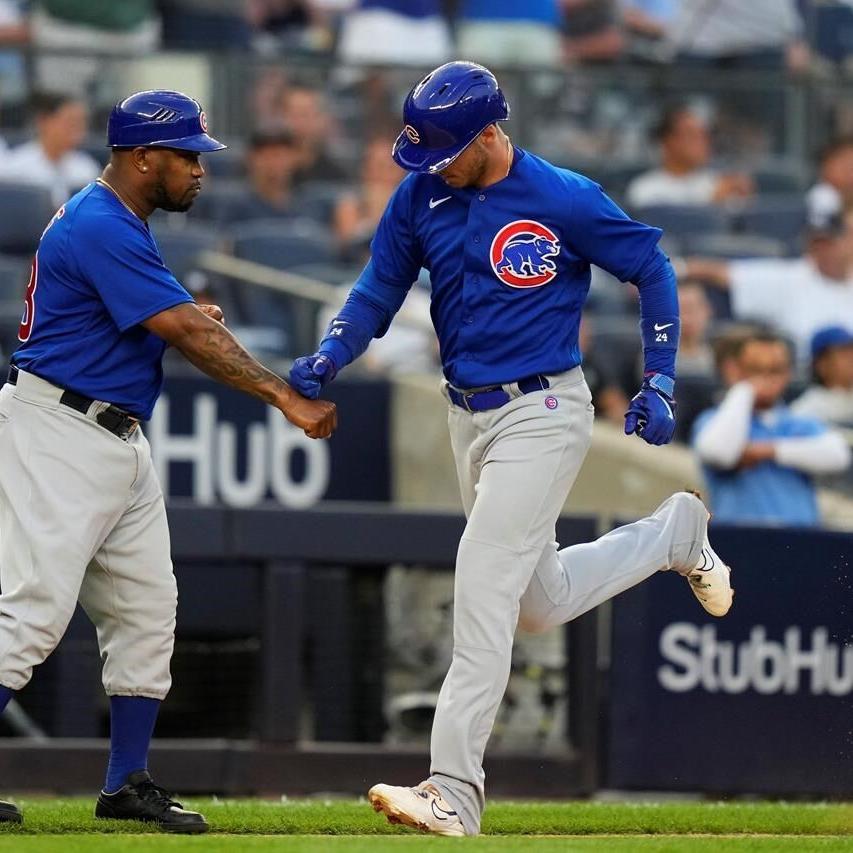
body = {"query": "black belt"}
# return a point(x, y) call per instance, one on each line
point(113, 419)
point(486, 399)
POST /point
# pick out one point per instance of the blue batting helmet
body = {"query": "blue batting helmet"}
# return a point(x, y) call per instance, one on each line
point(160, 118)
point(445, 113)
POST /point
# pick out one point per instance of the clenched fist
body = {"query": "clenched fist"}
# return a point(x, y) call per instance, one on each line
point(318, 418)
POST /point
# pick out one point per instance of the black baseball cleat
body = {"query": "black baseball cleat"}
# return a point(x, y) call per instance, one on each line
point(10, 813)
point(140, 799)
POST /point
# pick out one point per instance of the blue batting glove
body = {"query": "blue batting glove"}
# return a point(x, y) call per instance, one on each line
point(652, 412)
point(310, 373)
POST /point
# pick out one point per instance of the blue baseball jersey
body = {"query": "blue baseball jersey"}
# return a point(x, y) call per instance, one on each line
point(509, 265)
point(97, 274)
point(767, 492)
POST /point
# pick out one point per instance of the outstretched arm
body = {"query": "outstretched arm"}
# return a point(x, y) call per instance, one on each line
point(652, 411)
point(213, 349)
point(366, 314)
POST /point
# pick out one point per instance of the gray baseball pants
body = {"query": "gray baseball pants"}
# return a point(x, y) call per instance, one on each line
point(516, 466)
point(81, 517)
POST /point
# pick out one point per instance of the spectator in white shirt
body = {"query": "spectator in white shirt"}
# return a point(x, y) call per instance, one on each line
point(830, 398)
point(797, 296)
point(52, 159)
point(834, 188)
point(754, 34)
point(684, 176)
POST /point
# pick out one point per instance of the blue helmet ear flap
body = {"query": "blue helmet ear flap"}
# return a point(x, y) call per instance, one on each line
point(445, 112)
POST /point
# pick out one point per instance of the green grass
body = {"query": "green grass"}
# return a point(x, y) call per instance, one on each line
point(67, 826)
point(362, 844)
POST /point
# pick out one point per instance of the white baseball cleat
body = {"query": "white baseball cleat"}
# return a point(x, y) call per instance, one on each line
point(710, 580)
point(420, 808)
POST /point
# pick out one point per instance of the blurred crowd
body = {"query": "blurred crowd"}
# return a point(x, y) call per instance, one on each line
point(762, 33)
point(763, 247)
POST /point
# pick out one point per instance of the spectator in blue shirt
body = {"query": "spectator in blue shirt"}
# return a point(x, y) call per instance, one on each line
point(759, 458)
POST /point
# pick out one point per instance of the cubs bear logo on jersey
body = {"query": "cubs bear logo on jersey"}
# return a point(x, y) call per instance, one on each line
point(521, 254)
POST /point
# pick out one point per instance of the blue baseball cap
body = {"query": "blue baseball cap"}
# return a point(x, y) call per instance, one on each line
point(831, 336)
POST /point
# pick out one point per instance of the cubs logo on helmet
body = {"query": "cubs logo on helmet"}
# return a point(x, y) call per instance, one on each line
point(522, 252)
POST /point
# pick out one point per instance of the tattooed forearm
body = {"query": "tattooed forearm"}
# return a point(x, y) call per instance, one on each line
point(214, 350)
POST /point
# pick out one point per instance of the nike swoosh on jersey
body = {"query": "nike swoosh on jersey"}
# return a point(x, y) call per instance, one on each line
point(435, 202)
point(661, 328)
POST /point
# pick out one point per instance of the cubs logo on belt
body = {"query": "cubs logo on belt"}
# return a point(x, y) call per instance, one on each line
point(521, 254)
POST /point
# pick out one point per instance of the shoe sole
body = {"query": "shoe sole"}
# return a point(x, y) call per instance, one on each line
point(174, 829)
point(383, 805)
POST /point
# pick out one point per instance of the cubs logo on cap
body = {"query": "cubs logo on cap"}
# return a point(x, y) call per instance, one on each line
point(413, 135)
point(522, 254)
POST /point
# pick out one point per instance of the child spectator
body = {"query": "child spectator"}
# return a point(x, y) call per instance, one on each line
point(830, 397)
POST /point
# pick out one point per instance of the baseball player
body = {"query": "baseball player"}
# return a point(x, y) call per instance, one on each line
point(82, 515)
point(508, 240)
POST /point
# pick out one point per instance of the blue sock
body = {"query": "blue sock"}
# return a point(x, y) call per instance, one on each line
point(132, 721)
point(6, 693)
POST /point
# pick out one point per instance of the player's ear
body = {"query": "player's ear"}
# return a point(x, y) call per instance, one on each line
point(139, 156)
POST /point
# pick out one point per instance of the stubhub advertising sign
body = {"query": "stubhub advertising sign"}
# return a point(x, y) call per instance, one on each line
point(217, 446)
point(760, 701)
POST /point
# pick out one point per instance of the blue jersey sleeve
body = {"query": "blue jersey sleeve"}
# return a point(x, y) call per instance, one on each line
point(125, 268)
point(602, 233)
point(396, 254)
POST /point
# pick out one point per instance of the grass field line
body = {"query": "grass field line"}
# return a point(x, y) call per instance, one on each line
point(541, 823)
point(404, 833)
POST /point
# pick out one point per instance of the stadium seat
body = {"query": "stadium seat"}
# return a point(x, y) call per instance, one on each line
point(338, 274)
point(180, 247)
point(779, 179)
point(734, 246)
point(781, 217)
point(215, 200)
point(284, 245)
point(228, 163)
point(833, 30)
point(679, 221)
point(317, 200)
point(694, 394)
point(95, 147)
point(25, 210)
point(14, 274)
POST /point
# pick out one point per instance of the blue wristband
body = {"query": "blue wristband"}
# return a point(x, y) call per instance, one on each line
point(660, 343)
point(661, 382)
